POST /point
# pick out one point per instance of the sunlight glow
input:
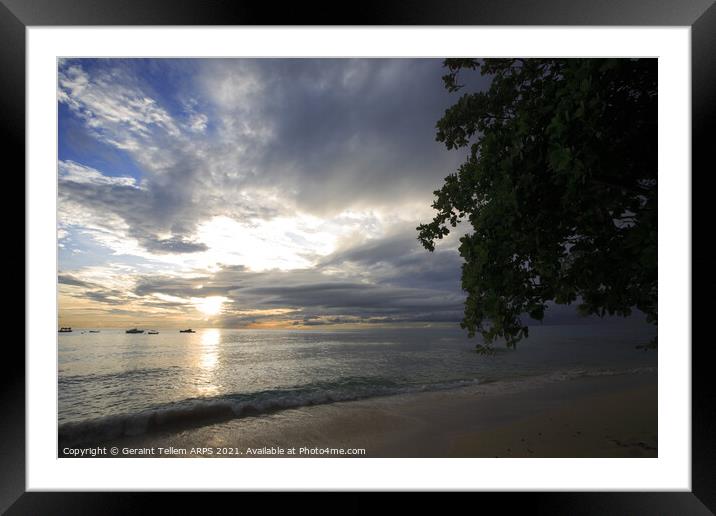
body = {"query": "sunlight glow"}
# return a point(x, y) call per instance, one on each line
point(209, 305)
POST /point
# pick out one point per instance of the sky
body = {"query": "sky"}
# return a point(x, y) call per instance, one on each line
point(248, 193)
point(254, 193)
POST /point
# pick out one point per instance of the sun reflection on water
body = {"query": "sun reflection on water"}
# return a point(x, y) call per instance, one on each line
point(208, 360)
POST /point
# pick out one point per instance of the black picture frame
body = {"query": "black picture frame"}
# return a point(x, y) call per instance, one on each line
point(700, 15)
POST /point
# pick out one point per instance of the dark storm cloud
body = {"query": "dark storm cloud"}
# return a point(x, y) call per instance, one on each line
point(382, 250)
point(344, 132)
point(310, 292)
point(398, 259)
point(356, 298)
point(300, 288)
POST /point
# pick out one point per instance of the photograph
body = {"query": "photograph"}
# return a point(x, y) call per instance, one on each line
point(413, 248)
point(357, 257)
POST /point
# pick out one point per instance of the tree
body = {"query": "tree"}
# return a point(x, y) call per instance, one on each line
point(559, 186)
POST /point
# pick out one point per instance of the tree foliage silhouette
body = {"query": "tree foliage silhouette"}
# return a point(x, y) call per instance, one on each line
point(559, 188)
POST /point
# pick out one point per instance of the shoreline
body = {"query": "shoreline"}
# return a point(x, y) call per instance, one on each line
point(596, 416)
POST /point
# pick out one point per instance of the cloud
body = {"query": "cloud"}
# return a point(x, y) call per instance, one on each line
point(114, 108)
point(335, 133)
point(259, 138)
point(111, 297)
point(79, 174)
point(120, 206)
point(291, 187)
point(90, 290)
point(305, 293)
point(64, 279)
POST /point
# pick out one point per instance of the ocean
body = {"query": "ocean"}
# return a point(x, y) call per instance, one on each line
point(112, 384)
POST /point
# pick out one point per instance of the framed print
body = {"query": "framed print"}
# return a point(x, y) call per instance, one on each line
point(425, 251)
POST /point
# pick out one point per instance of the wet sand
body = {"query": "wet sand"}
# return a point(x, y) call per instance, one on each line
point(606, 416)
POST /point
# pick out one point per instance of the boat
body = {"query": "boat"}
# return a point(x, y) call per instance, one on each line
point(189, 330)
point(65, 329)
point(94, 331)
point(152, 332)
point(134, 330)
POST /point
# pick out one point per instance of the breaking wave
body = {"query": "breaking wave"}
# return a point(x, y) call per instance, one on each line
point(202, 411)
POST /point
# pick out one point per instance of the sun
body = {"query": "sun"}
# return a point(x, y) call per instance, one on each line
point(209, 305)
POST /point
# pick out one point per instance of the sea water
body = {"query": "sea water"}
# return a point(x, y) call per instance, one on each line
point(113, 384)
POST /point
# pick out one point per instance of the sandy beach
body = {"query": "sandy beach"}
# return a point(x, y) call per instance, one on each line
point(602, 416)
